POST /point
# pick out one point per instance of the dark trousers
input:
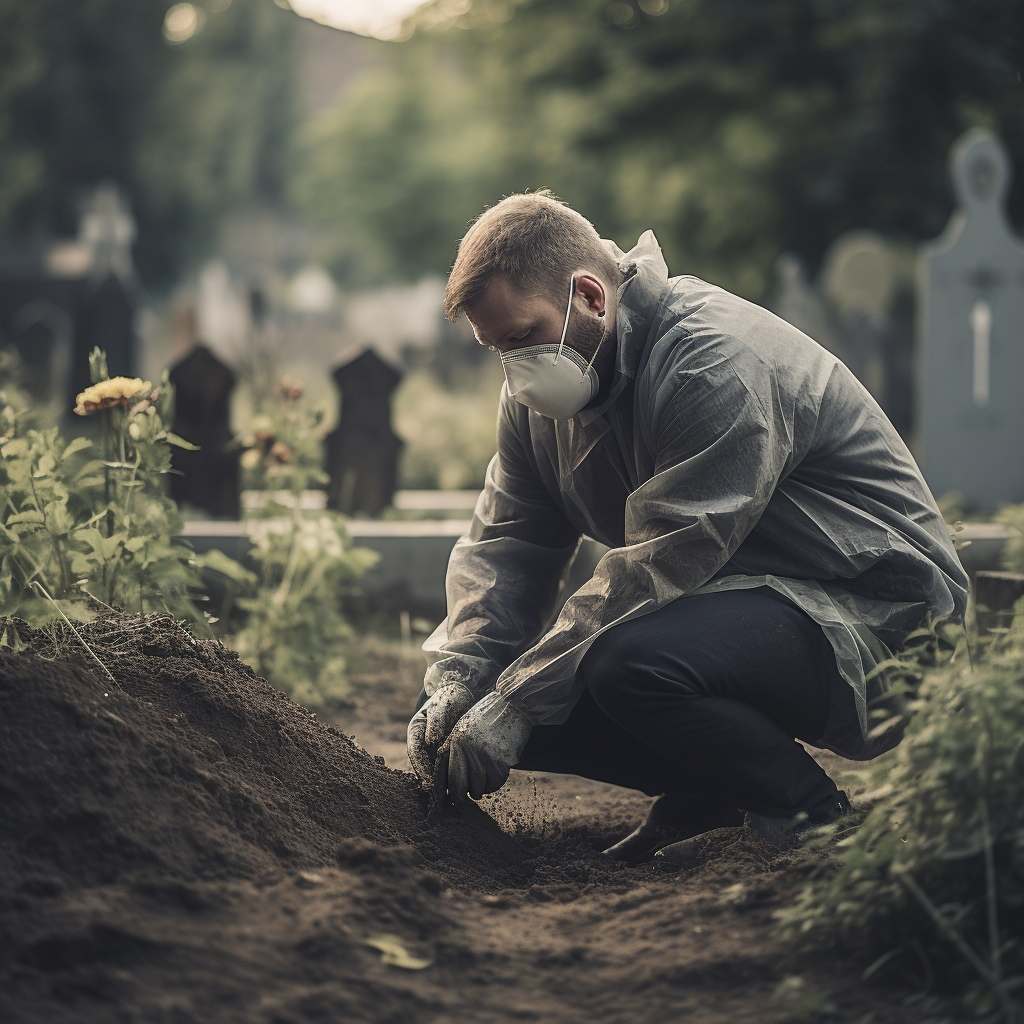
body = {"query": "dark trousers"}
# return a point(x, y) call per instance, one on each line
point(703, 697)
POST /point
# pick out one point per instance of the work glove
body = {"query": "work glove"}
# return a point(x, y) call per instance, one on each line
point(430, 726)
point(481, 750)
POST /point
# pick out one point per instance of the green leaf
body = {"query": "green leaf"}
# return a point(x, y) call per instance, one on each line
point(98, 365)
point(394, 953)
point(58, 521)
point(77, 445)
point(30, 516)
point(219, 562)
point(105, 547)
point(886, 726)
point(16, 449)
point(180, 442)
point(9, 639)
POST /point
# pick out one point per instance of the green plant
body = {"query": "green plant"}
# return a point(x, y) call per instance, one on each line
point(294, 631)
point(77, 530)
point(283, 447)
point(1013, 553)
point(449, 433)
point(934, 877)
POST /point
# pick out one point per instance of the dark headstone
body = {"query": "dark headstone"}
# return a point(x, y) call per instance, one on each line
point(42, 332)
point(209, 479)
point(107, 321)
point(54, 323)
point(362, 453)
point(998, 590)
point(995, 594)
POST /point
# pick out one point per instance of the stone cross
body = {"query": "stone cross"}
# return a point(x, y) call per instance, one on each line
point(971, 337)
point(362, 453)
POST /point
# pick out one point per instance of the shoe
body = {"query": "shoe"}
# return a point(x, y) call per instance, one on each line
point(672, 819)
point(783, 831)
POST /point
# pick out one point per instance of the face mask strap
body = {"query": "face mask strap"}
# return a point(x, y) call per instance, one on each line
point(565, 326)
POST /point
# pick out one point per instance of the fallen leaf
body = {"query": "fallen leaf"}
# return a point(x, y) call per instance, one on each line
point(392, 952)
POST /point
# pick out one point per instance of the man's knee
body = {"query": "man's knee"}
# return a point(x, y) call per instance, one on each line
point(640, 659)
point(618, 667)
point(608, 664)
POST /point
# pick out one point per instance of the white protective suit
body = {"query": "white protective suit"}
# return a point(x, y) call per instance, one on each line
point(732, 452)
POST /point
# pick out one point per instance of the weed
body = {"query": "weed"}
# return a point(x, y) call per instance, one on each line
point(294, 632)
point(933, 880)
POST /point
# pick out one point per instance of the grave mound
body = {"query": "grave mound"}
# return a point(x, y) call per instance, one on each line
point(183, 763)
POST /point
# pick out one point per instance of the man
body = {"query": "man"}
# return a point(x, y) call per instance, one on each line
point(771, 541)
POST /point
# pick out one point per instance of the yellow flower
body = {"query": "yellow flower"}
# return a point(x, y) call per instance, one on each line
point(107, 393)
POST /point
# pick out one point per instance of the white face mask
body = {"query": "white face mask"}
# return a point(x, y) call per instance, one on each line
point(553, 380)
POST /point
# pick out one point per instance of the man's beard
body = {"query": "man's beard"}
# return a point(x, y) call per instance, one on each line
point(585, 334)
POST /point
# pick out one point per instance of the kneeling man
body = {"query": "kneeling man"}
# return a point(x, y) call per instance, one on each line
point(771, 541)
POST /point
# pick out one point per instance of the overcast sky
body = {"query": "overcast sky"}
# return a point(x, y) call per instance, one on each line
point(381, 18)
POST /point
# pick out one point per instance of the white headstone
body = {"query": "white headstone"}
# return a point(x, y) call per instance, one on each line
point(971, 335)
point(798, 302)
point(858, 279)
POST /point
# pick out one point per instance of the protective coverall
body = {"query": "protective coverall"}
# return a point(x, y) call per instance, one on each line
point(731, 452)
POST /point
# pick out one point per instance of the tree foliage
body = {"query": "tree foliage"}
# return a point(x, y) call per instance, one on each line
point(91, 91)
point(737, 129)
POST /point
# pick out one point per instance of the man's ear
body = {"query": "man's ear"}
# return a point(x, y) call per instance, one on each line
point(592, 291)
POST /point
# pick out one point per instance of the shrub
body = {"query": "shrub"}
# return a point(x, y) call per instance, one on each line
point(936, 871)
point(1013, 553)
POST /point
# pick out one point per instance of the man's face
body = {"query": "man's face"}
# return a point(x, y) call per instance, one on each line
point(508, 318)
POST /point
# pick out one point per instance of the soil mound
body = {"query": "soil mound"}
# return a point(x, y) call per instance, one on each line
point(182, 844)
point(184, 764)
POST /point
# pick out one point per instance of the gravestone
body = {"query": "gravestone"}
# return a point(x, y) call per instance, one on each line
point(107, 320)
point(799, 303)
point(971, 335)
point(857, 278)
point(42, 333)
point(209, 476)
point(362, 452)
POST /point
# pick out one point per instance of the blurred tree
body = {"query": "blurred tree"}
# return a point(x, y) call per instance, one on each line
point(737, 129)
point(91, 90)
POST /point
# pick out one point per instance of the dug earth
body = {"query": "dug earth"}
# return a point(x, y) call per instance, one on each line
point(179, 842)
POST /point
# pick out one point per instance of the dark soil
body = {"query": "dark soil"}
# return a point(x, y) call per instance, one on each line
point(181, 843)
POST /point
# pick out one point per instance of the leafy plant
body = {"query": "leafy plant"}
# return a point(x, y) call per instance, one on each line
point(449, 432)
point(294, 630)
point(1013, 553)
point(934, 877)
point(77, 529)
point(283, 448)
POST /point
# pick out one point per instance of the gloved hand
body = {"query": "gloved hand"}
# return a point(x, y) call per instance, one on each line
point(430, 726)
point(481, 750)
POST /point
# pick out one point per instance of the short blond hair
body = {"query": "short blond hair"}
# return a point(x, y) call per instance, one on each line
point(536, 241)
